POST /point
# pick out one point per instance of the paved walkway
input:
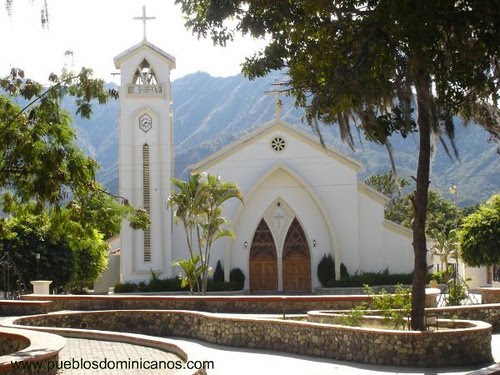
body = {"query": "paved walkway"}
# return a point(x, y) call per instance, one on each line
point(105, 356)
point(230, 361)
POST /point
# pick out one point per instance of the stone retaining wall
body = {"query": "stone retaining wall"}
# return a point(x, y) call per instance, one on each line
point(37, 351)
point(10, 343)
point(490, 295)
point(20, 307)
point(487, 313)
point(226, 304)
point(454, 347)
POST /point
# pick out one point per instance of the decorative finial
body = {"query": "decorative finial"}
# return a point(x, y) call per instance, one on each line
point(144, 19)
point(278, 105)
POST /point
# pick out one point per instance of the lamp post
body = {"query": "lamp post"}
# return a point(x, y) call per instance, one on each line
point(454, 191)
point(37, 256)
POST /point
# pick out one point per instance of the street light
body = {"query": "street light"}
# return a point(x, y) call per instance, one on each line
point(453, 191)
point(37, 256)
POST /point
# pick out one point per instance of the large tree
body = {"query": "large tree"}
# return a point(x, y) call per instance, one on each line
point(371, 63)
point(480, 235)
point(48, 182)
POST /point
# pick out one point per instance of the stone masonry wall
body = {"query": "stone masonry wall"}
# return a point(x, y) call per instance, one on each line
point(487, 313)
point(457, 347)
point(12, 343)
point(226, 304)
point(490, 295)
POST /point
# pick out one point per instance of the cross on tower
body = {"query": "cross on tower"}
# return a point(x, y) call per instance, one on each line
point(278, 105)
point(144, 19)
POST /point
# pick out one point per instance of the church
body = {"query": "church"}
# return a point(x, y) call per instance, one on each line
point(301, 200)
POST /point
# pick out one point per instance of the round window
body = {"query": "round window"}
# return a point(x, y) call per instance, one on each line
point(278, 144)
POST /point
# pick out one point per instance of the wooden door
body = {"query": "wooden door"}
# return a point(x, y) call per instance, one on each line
point(296, 260)
point(263, 263)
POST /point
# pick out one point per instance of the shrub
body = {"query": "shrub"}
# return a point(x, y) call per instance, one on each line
point(173, 284)
point(128, 287)
point(343, 272)
point(395, 306)
point(326, 270)
point(457, 293)
point(236, 275)
point(224, 286)
point(354, 317)
point(373, 278)
point(218, 273)
point(441, 277)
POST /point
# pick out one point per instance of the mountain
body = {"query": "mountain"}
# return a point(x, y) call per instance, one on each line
point(211, 112)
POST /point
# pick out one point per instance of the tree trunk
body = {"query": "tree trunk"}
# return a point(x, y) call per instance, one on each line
point(419, 200)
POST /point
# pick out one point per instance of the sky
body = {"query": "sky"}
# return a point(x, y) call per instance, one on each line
point(98, 30)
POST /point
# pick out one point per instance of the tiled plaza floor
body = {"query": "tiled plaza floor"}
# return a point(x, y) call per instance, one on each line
point(229, 361)
point(105, 354)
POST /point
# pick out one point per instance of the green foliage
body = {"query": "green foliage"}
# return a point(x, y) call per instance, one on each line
point(173, 284)
point(198, 205)
point(354, 317)
point(159, 285)
point(326, 270)
point(46, 178)
point(38, 157)
point(480, 235)
point(395, 306)
point(441, 276)
point(28, 236)
point(237, 276)
point(343, 272)
point(72, 254)
point(91, 255)
point(442, 215)
point(222, 286)
point(127, 287)
point(218, 273)
point(373, 278)
point(457, 293)
point(388, 184)
point(192, 271)
point(445, 246)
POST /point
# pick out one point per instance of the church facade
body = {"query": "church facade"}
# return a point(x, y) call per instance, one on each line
point(301, 200)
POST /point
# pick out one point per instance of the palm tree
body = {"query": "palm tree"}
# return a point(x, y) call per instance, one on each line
point(192, 272)
point(198, 205)
point(445, 247)
point(185, 202)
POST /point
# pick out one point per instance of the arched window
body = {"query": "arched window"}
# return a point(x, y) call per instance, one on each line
point(144, 80)
point(144, 74)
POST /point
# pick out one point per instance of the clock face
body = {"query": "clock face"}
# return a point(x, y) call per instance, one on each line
point(145, 123)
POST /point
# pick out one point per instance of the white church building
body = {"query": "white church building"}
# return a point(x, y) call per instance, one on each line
point(301, 200)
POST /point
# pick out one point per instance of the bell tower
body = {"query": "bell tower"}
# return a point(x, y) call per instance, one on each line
point(146, 156)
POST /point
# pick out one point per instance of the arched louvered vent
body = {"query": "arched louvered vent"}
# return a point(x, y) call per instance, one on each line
point(146, 198)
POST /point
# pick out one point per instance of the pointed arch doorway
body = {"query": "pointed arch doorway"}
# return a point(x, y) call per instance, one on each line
point(263, 261)
point(296, 260)
point(294, 268)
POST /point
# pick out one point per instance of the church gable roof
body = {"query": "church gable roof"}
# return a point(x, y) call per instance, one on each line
point(140, 47)
point(265, 130)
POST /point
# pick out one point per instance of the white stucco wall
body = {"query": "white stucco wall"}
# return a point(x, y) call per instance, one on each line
point(131, 141)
